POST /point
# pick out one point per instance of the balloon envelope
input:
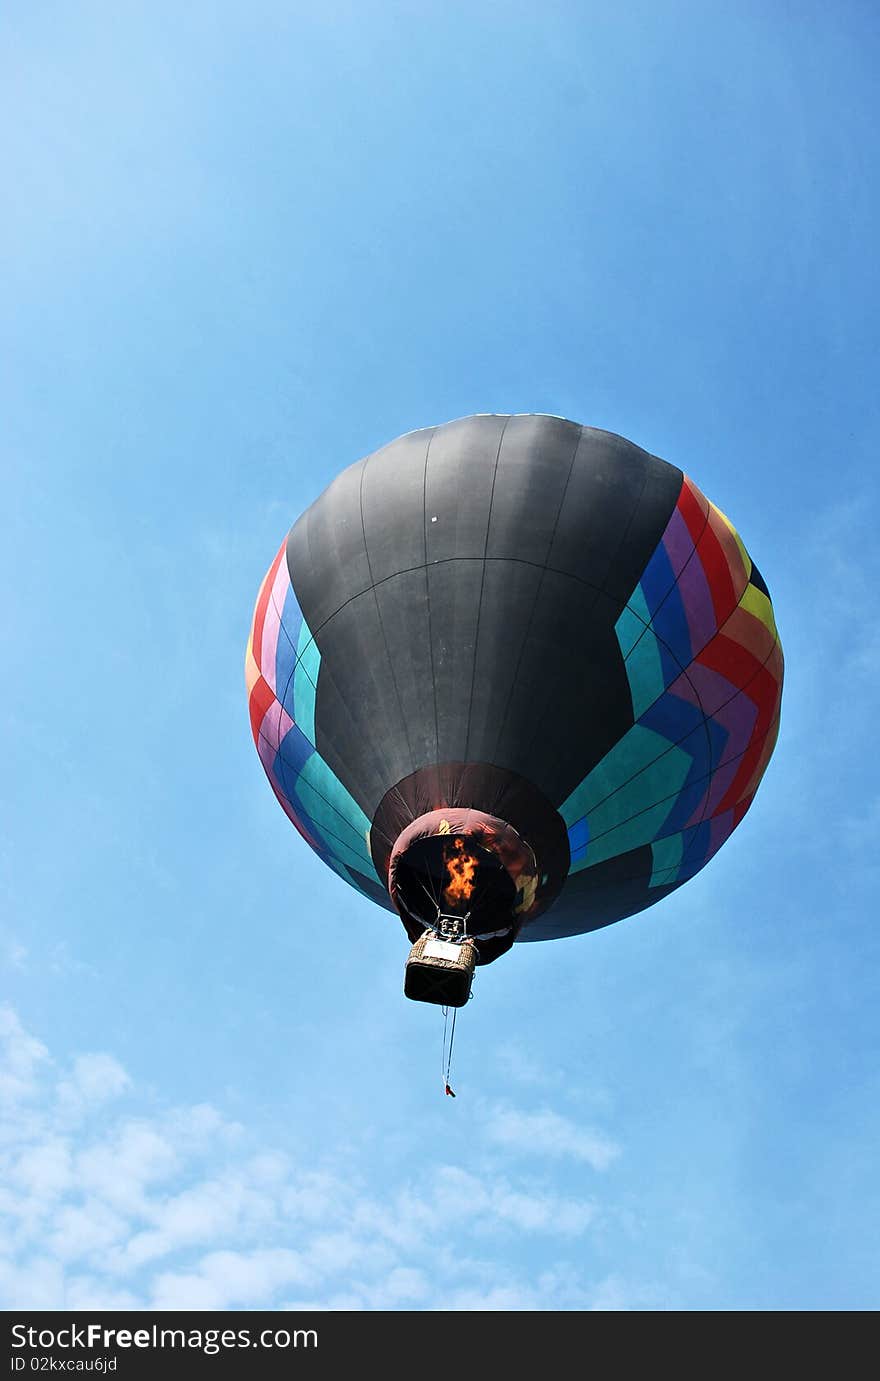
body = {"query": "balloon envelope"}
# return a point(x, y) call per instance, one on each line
point(531, 623)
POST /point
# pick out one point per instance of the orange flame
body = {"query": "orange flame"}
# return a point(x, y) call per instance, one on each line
point(461, 867)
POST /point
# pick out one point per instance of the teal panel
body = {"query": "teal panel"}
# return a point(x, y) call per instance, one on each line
point(628, 795)
point(334, 812)
point(644, 671)
point(641, 654)
point(636, 617)
point(348, 875)
point(667, 858)
point(305, 681)
point(636, 750)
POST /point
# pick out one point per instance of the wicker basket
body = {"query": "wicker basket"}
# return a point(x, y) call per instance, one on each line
point(440, 971)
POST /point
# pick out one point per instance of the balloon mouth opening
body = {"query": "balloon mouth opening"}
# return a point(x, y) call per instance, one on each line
point(453, 877)
point(466, 866)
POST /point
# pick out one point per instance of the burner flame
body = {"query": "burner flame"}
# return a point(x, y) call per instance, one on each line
point(462, 870)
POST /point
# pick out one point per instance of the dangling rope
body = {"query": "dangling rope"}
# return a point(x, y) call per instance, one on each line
point(446, 1058)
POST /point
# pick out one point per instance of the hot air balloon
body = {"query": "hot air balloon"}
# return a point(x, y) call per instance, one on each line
point(513, 679)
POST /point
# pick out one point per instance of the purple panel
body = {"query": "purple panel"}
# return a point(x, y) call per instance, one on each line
point(276, 723)
point(697, 599)
point(678, 542)
point(722, 828)
point(714, 691)
point(733, 711)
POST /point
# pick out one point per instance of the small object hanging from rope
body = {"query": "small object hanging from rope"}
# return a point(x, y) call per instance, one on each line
point(446, 1058)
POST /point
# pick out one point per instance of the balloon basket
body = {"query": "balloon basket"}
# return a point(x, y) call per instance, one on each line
point(440, 971)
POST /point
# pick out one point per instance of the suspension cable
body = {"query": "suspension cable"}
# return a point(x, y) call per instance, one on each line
point(446, 1059)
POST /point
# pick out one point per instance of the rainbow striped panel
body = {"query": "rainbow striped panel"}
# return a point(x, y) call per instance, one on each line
point(704, 666)
point(281, 671)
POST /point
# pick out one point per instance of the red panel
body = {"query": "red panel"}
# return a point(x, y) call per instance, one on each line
point(730, 659)
point(717, 571)
point(263, 604)
point(261, 698)
point(740, 809)
point(761, 683)
point(739, 570)
point(693, 507)
point(754, 760)
point(762, 760)
point(776, 664)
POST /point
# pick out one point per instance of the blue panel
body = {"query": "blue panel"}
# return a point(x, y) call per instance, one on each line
point(672, 667)
point(692, 792)
point(579, 838)
point(657, 578)
point(671, 626)
point(704, 745)
point(293, 754)
point(672, 717)
point(696, 848)
point(719, 737)
point(288, 636)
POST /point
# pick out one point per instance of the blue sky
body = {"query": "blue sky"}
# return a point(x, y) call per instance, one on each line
point(244, 245)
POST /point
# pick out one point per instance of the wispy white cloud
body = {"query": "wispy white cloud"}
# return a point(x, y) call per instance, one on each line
point(93, 1079)
point(549, 1133)
point(230, 1279)
point(20, 1057)
point(102, 1207)
point(455, 1197)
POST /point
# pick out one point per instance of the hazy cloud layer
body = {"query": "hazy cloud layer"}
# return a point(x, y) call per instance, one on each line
point(103, 1206)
